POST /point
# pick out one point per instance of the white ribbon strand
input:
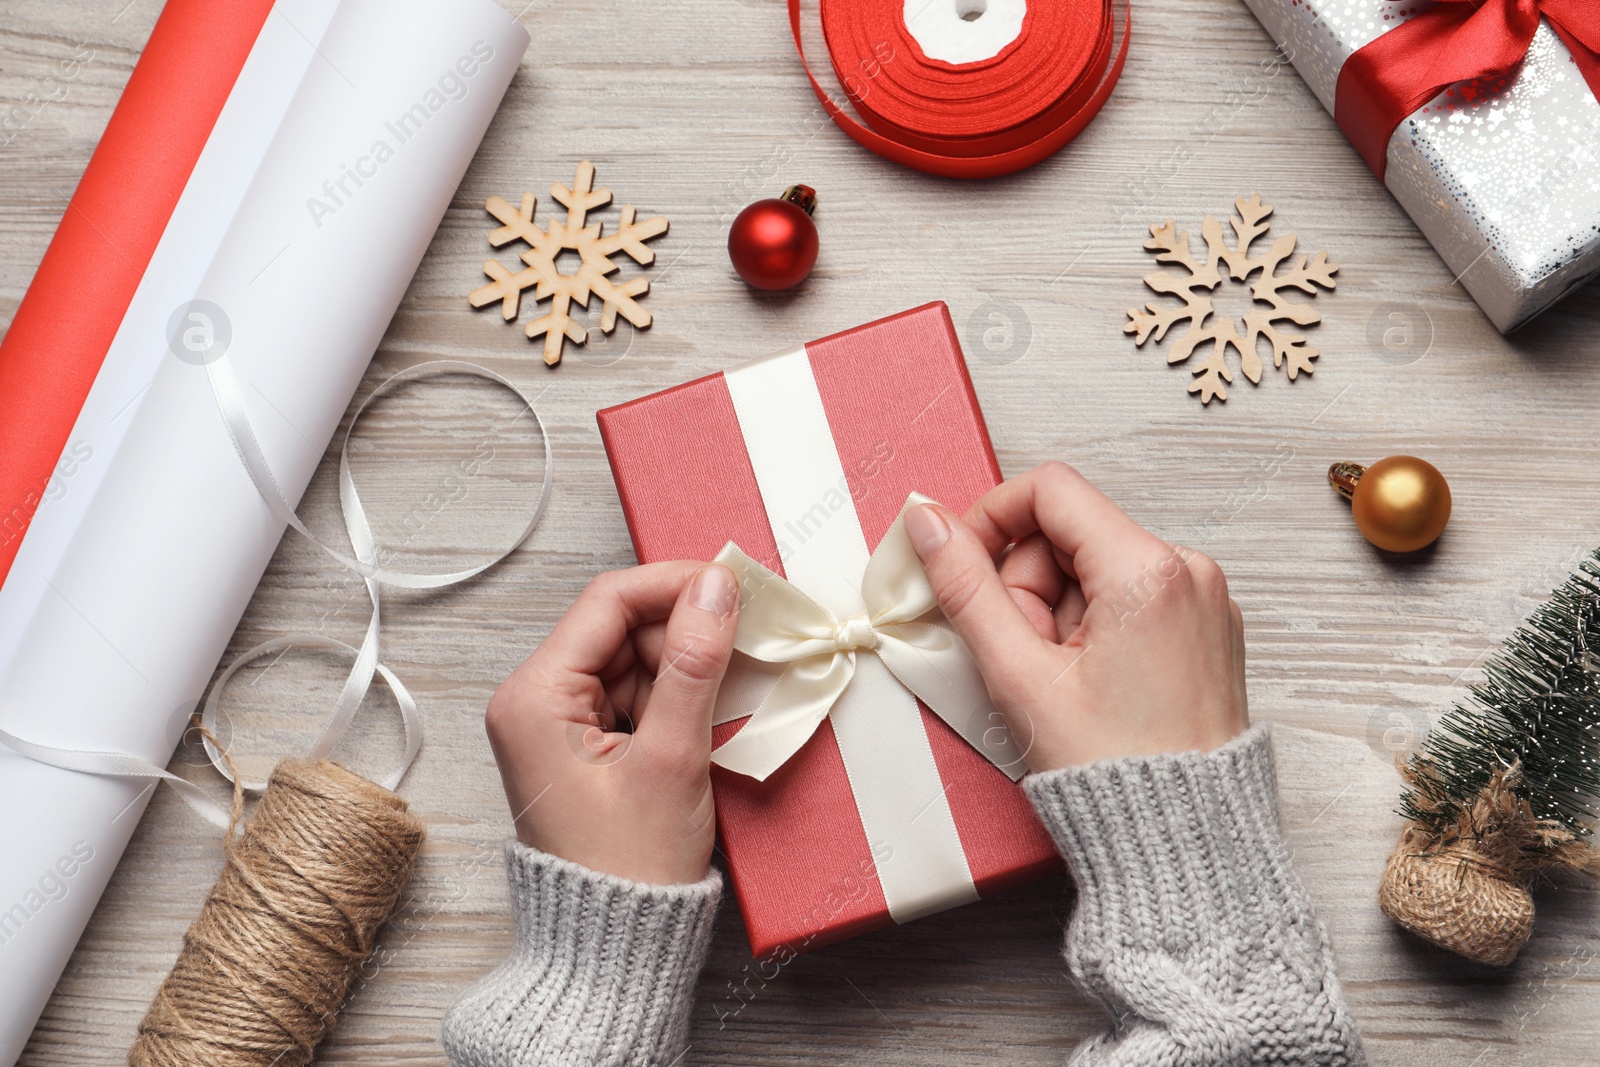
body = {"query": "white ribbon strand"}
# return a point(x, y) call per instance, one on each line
point(241, 433)
point(117, 765)
point(365, 562)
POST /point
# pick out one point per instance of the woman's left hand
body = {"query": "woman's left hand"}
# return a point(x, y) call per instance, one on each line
point(603, 735)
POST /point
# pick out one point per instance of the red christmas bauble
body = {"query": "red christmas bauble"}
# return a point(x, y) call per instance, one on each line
point(773, 244)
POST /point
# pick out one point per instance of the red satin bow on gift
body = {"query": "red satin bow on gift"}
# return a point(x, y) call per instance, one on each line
point(1453, 41)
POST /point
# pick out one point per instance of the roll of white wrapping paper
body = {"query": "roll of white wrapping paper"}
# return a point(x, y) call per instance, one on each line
point(333, 161)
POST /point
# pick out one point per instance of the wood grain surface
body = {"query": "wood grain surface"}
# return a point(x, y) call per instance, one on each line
point(692, 110)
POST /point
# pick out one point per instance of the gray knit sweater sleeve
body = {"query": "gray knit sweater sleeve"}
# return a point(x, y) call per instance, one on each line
point(601, 974)
point(1191, 928)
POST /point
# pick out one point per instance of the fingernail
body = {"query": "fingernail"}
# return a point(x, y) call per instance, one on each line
point(927, 530)
point(714, 589)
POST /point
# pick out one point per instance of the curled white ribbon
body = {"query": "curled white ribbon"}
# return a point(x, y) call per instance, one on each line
point(365, 562)
point(816, 652)
point(236, 421)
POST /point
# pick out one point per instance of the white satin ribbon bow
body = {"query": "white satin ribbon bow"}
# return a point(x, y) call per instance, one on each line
point(814, 652)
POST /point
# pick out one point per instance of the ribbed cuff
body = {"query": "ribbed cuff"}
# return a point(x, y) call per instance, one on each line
point(1167, 849)
point(602, 971)
point(1191, 927)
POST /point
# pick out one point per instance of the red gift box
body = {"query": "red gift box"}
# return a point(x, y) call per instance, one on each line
point(902, 417)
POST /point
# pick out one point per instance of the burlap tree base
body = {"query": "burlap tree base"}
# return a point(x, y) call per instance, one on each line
point(1462, 881)
point(1457, 898)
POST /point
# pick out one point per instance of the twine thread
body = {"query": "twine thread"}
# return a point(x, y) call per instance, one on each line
point(293, 916)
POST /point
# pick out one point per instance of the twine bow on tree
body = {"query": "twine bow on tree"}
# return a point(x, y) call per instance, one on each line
point(1452, 41)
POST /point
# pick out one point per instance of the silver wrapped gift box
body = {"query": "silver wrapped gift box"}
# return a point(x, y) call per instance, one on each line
point(1503, 179)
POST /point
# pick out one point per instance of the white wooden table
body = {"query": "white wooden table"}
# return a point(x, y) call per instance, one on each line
point(693, 110)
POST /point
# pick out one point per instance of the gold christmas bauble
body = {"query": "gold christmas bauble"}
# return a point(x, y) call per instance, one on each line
point(1400, 504)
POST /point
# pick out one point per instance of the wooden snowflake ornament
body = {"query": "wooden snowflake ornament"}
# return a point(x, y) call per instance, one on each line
point(575, 234)
point(1290, 350)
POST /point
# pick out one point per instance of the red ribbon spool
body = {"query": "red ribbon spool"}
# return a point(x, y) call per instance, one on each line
point(969, 120)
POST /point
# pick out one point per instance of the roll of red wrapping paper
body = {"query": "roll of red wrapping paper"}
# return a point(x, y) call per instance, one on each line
point(969, 120)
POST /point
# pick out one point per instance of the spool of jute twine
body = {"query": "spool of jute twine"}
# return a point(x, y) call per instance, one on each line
point(1465, 884)
point(293, 916)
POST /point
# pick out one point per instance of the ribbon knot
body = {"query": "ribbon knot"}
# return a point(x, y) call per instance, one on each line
point(1449, 42)
point(812, 654)
point(855, 632)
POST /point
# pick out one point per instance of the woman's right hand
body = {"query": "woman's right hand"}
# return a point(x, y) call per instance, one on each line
point(1097, 639)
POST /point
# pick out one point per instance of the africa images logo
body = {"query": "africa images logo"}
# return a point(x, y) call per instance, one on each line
point(453, 84)
point(53, 885)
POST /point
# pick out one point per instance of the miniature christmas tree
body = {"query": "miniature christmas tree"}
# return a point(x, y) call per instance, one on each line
point(1506, 786)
